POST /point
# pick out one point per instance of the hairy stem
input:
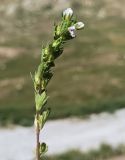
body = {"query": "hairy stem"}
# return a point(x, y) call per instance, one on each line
point(37, 138)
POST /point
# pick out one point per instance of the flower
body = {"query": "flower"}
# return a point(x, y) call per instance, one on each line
point(67, 13)
point(79, 25)
point(72, 31)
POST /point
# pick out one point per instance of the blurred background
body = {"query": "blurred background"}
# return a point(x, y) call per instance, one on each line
point(89, 78)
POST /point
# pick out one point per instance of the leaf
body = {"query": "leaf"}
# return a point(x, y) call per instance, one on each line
point(43, 148)
point(40, 100)
point(32, 76)
point(43, 117)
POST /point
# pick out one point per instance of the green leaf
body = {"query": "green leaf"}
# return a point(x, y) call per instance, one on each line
point(43, 148)
point(32, 76)
point(38, 74)
point(43, 117)
point(40, 100)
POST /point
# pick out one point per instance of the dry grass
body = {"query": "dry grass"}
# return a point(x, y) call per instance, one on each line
point(9, 52)
point(7, 86)
point(117, 158)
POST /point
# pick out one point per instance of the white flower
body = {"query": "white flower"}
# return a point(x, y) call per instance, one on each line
point(79, 25)
point(72, 31)
point(67, 13)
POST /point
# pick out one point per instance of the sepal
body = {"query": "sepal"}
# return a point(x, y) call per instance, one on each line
point(43, 149)
point(43, 117)
point(40, 100)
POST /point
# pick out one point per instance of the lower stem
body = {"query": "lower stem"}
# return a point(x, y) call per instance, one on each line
point(37, 137)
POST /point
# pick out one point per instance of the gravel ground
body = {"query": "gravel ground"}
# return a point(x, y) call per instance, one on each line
point(62, 135)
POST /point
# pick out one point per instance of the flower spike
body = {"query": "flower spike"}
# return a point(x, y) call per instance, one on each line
point(63, 31)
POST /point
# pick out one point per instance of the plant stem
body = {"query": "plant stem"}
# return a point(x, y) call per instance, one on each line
point(37, 138)
point(63, 32)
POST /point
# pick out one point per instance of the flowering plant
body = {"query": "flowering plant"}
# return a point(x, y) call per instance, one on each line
point(63, 32)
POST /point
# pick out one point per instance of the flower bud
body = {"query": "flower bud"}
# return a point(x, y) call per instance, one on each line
point(37, 78)
point(79, 25)
point(72, 31)
point(68, 13)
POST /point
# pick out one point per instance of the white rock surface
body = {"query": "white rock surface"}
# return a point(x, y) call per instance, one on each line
point(62, 135)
